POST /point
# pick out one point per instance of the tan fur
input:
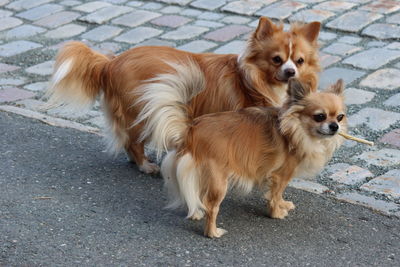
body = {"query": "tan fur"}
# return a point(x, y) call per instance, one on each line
point(230, 83)
point(260, 146)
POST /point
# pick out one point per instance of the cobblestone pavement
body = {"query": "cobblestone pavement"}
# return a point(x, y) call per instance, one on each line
point(360, 42)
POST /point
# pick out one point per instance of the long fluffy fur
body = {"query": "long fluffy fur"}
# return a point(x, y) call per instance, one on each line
point(166, 98)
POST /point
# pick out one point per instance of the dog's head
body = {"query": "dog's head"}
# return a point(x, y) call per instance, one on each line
point(278, 55)
point(320, 114)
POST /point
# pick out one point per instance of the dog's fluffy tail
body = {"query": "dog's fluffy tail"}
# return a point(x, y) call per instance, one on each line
point(77, 77)
point(165, 111)
point(182, 181)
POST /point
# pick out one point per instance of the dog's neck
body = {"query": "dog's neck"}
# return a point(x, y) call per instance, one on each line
point(257, 88)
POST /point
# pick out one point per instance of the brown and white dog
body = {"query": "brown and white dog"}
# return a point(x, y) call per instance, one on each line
point(258, 77)
point(264, 146)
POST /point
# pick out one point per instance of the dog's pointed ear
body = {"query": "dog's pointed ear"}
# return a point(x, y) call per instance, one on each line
point(296, 90)
point(311, 31)
point(265, 28)
point(337, 88)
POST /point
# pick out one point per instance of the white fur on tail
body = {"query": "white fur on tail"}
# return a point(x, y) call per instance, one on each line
point(182, 182)
point(70, 95)
point(165, 99)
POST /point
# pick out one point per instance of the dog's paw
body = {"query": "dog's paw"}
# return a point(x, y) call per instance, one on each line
point(278, 213)
point(149, 167)
point(217, 233)
point(197, 216)
point(287, 205)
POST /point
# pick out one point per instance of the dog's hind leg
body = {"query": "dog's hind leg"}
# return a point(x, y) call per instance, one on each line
point(136, 154)
point(215, 194)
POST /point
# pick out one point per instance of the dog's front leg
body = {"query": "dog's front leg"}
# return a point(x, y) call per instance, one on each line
point(278, 207)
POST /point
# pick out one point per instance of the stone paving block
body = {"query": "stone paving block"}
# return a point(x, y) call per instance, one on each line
point(156, 42)
point(373, 58)
point(197, 46)
point(7, 68)
point(393, 101)
point(45, 68)
point(26, 4)
point(208, 24)
point(383, 31)
point(245, 7)
point(101, 33)
point(394, 19)
point(210, 16)
point(349, 39)
point(234, 47)
point(355, 96)
point(24, 31)
point(178, 2)
point(31, 104)
point(335, 6)
point(208, 4)
point(17, 47)
point(65, 31)
point(374, 118)
point(394, 45)
point(347, 174)
point(173, 21)
point(235, 20)
point(9, 22)
point(311, 15)
point(191, 12)
point(152, 6)
point(185, 32)
point(382, 6)
point(227, 33)
point(70, 2)
point(280, 10)
point(107, 48)
point(171, 10)
point(135, 18)
point(392, 138)
point(331, 75)
point(376, 44)
point(387, 184)
point(98, 121)
point(353, 21)
point(57, 19)
point(370, 202)
point(4, 82)
point(4, 13)
point(138, 35)
point(91, 6)
point(37, 86)
point(341, 49)
point(326, 36)
point(40, 11)
point(105, 14)
point(12, 94)
point(387, 79)
point(308, 186)
point(135, 3)
point(326, 60)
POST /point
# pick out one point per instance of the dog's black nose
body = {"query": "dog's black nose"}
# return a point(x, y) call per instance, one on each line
point(290, 72)
point(333, 126)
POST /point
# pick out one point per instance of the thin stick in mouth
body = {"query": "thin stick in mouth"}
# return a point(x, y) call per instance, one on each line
point(350, 137)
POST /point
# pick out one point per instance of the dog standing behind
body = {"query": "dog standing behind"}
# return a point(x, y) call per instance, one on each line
point(253, 146)
point(217, 83)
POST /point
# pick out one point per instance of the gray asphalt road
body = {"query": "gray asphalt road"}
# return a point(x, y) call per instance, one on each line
point(64, 202)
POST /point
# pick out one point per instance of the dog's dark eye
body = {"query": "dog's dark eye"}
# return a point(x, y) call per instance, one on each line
point(340, 117)
point(277, 59)
point(319, 117)
point(300, 61)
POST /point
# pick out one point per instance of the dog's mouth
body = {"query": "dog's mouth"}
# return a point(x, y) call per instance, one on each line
point(281, 79)
point(326, 134)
